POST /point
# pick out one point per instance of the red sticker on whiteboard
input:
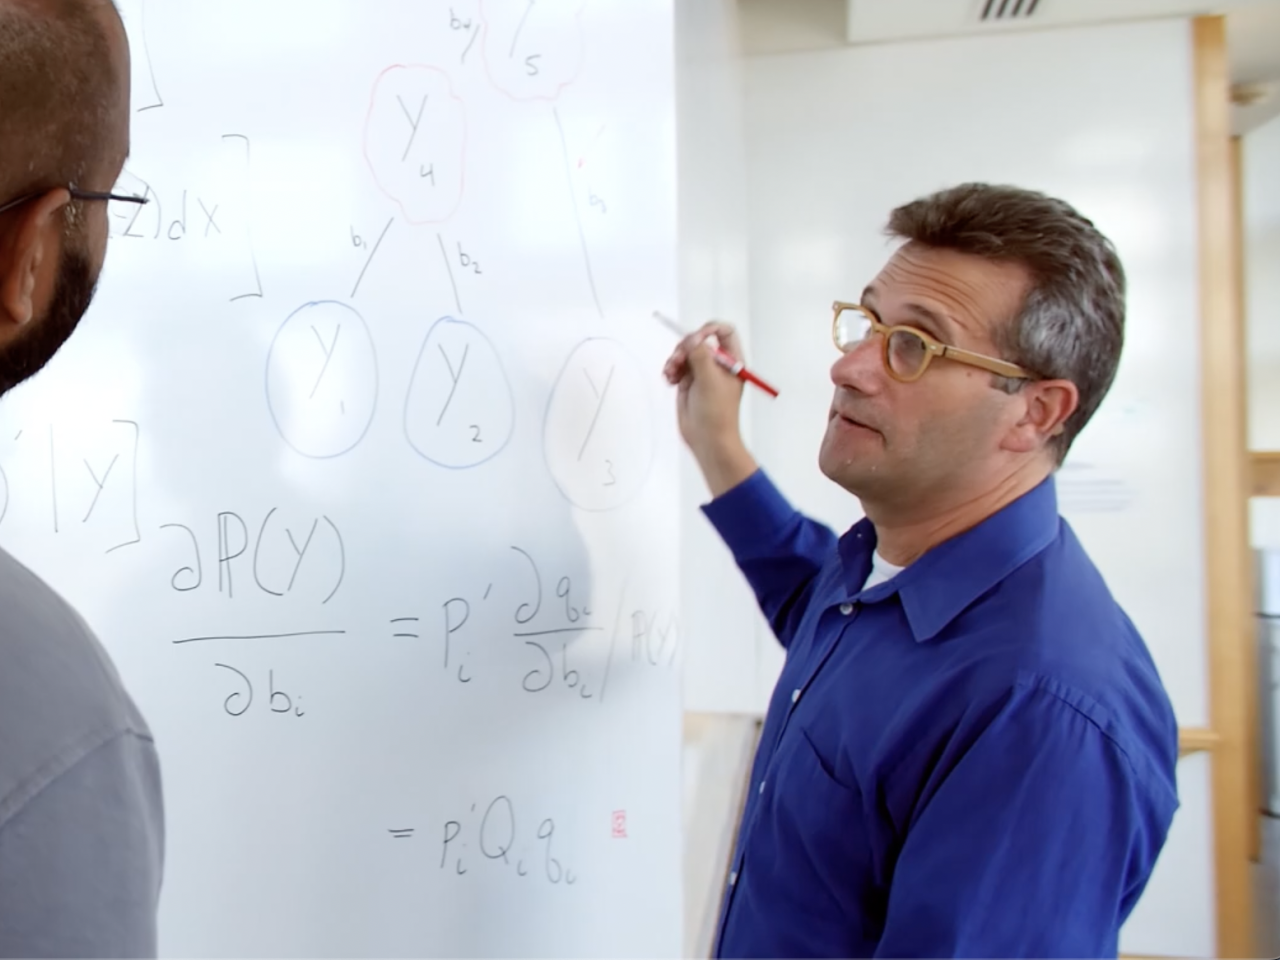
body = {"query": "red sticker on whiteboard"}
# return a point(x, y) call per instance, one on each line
point(620, 824)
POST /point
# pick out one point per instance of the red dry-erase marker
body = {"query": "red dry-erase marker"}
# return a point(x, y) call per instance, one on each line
point(735, 367)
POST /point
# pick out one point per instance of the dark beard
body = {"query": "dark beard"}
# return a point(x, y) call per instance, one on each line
point(35, 346)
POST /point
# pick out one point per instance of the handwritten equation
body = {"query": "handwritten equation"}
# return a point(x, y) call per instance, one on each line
point(540, 634)
point(557, 629)
point(494, 840)
point(241, 699)
point(82, 479)
point(214, 212)
point(273, 568)
point(79, 482)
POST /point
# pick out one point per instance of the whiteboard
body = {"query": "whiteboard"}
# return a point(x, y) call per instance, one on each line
point(833, 147)
point(362, 467)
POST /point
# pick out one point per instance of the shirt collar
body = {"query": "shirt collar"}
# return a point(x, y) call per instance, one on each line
point(937, 587)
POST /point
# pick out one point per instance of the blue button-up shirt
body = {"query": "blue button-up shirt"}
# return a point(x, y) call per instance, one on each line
point(975, 758)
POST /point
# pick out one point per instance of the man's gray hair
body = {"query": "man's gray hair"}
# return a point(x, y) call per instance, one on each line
point(1071, 326)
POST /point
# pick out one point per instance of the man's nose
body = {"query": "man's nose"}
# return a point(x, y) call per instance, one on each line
point(860, 367)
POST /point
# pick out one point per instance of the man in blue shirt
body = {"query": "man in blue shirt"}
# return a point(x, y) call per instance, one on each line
point(969, 751)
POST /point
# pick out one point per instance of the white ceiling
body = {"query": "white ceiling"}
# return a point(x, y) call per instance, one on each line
point(1253, 39)
point(870, 21)
point(778, 26)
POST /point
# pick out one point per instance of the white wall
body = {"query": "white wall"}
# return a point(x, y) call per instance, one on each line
point(1261, 186)
point(835, 139)
point(720, 617)
point(719, 614)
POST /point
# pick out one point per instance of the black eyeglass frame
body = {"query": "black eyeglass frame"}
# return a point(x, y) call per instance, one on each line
point(76, 194)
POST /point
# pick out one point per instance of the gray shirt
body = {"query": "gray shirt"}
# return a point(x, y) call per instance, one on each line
point(81, 814)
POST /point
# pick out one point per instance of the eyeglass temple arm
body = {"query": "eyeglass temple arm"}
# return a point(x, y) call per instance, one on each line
point(75, 195)
point(1001, 367)
point(97, 195)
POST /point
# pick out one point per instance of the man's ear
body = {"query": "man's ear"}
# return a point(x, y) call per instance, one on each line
point(29, 257)
point(1046, 406)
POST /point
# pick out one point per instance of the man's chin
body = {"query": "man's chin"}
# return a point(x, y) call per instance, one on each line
point(841, 466)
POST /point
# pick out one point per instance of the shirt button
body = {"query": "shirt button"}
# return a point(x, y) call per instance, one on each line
point(761, 787)
point(733, 878)
point(795, 695)
point(846, 608)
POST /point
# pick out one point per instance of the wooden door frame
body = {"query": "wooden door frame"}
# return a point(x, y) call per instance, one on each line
point(1228, 566)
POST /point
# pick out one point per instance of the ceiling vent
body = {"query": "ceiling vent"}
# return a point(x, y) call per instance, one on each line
point(1008, 11)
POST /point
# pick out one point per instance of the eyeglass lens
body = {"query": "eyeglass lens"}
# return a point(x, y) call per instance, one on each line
point(907, 352)
point(852, 327)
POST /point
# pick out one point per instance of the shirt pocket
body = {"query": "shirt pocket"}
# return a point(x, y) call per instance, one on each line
point(823, 857)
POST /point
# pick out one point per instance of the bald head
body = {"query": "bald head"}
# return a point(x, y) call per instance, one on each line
point(64, 112)
point(63, 85)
